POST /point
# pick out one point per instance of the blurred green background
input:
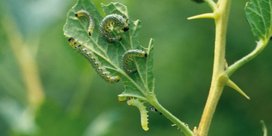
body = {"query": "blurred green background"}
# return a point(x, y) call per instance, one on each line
point(77, 102)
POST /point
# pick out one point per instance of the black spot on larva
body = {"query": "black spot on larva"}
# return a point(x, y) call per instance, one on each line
point(126, 29)
point(145, 55)
point(70, 39)
point(87, 53)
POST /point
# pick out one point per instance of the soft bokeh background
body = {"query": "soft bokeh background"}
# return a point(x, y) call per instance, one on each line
point(78, 103)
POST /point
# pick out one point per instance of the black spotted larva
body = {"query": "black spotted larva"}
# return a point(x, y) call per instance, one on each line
point(84, 13)
point(128, 59)
point(87, 53)
point(112, 26)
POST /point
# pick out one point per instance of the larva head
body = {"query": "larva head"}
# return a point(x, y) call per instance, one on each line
point(122, 98)
point(142, 53)
point(126, 29)
point(72, 42)
point(120, 22)
point(126, 25)
point(81, 13)
point(114, 79)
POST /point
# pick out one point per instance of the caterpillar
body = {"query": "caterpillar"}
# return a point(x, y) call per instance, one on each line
point(84, 13)
point(143, 112)
point(128, 59)
point(88, 54)
point(112, 26)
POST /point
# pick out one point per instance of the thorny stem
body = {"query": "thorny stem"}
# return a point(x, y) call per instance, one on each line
point(217, 85)
point(27, 64)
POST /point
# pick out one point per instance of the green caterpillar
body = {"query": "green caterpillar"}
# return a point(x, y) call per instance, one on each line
point(84, 13)
point(143, 112)
point(88, 54)
point(128, 59)
point(112, 26)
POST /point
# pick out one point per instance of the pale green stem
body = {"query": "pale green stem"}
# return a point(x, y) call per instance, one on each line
point(181, 125)
point(211, 3)
point(259, 48)
point(217, 85)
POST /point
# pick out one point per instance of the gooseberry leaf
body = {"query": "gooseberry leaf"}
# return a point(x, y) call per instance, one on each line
point(136, 84)
point(259, 16)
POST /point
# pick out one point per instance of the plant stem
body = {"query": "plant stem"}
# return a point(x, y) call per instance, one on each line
point(259, 48)
point(217, 85)
point(211, 3)
point(181, 125)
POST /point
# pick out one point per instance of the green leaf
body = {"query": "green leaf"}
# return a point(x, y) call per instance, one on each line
point(137, 84)
point(259, 16)
point(115, 7)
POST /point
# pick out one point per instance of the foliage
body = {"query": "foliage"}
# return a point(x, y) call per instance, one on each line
point(78, 102)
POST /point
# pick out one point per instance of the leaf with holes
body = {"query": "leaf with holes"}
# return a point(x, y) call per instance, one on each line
point(106, 56)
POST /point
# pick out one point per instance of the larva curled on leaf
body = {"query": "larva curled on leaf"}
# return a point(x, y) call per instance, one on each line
point(84, 13)
point(143, 111)
point(128, 59)
point(112, 26)
point(88, 54)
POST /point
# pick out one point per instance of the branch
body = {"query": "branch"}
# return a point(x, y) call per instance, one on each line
point(218, 83)
point(238, 64)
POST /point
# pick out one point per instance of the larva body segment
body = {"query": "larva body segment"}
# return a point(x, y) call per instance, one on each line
point(84, 13)
point(112, 26)
point(143, 111)
point(128, 59)
point(88, 54)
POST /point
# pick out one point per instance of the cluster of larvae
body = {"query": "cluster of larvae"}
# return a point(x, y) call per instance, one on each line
point(111, 28)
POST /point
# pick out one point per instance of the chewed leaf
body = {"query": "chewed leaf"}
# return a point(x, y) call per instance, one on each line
point(88, 40)
point(145, 71)
point(105, 49)
point(259, 16)
point(115, 7)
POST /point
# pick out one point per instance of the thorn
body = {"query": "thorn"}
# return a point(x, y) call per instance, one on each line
point(232, 85)
point(202, 16)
